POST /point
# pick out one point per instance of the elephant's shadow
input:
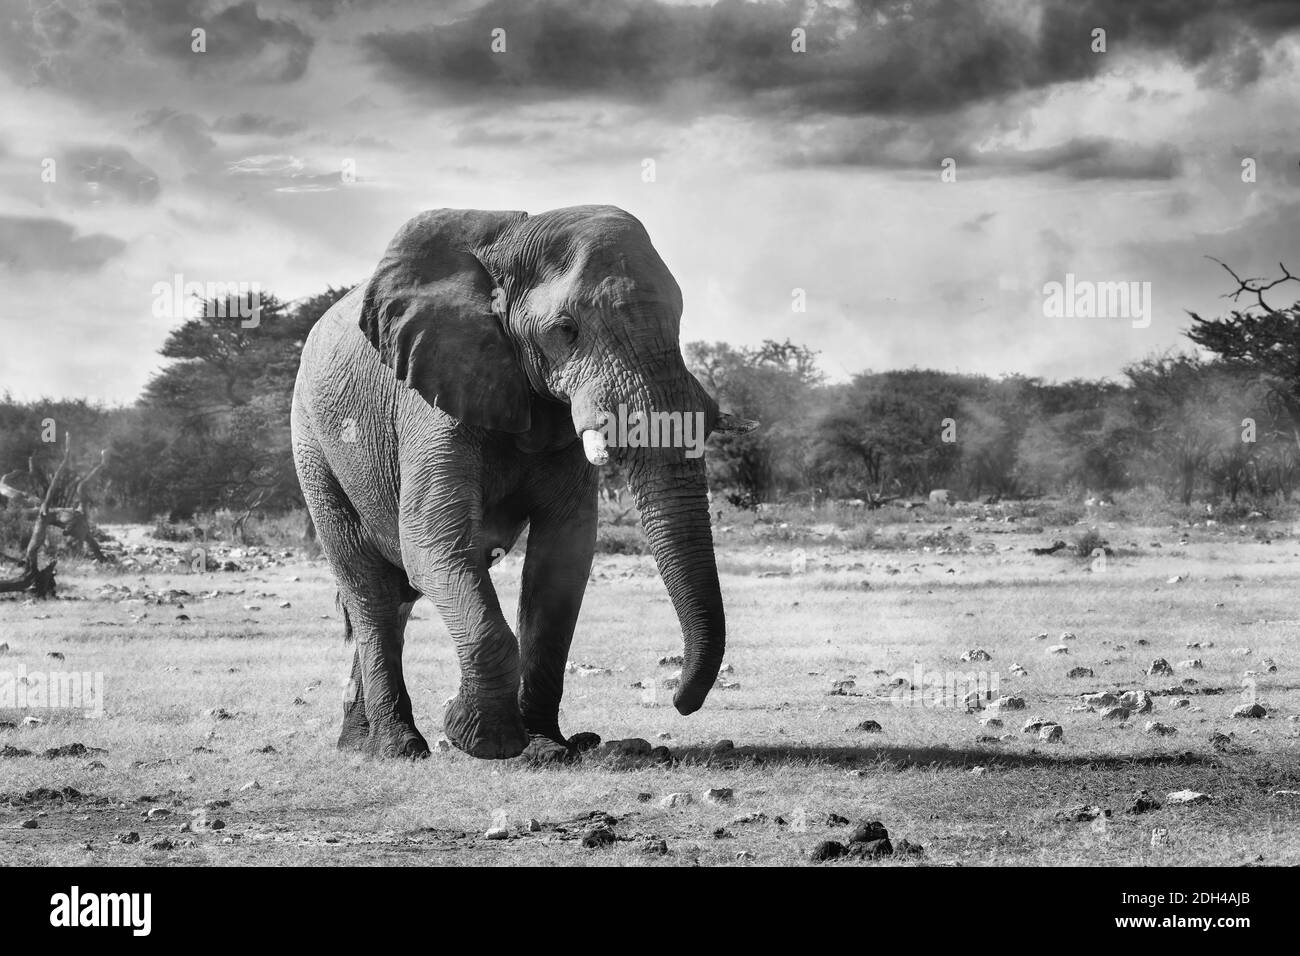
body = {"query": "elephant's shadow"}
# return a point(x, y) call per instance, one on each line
point(889, 757)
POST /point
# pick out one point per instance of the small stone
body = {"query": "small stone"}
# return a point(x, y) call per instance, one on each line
point(1034, 724)
point(158, 813)
point(718, 795)
point(131, 837)
point(1080, 814)
point(1182, 797)
point(1194, 664)
point(906, 847)
point(1076, 672)
point(661, 755)
point(1143, 802)
point(991, 722)
point(1157, 729)
point(584, 741)
point(1250, 711)
point(1160, 668)
point(1050, 733)
point(654, 847)
point(827, 850)
point(631, 747)
point(502, 833)
point(1268, 665)
point(722, 833)
point(867, 831)
point(1103, 699)
point(165, 844)
point(1180, 703)
point(869, 727)
point(1067, 635)
point(1241, 651)
point(723, 745)
point(600, 837)
point(676, 800)
point(978, 771)
point(1019, 671)
point(1138, 701)
point(1058, 649)
point(251, 785)
point(1009, 703)
point(872, 850)
point(977, 655)
point(29, 825)
point(1115, 713)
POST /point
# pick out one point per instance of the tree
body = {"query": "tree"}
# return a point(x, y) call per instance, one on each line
point(776, 384)
point(1264, 343)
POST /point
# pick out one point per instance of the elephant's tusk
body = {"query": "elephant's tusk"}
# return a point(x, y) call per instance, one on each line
point(593, 443)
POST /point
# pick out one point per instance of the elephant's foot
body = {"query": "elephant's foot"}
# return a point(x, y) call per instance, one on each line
point(394, 738)
point(397, 740)
point(487, 731)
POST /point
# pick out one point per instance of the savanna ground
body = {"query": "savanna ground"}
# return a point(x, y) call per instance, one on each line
point(203, 699)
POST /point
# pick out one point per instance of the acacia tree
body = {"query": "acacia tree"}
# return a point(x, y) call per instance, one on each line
point(776, 384)
point(1260, 340)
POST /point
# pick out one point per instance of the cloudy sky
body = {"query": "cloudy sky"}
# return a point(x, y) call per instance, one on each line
point(774, 170)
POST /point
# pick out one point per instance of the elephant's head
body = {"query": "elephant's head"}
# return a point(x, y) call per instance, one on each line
point(498, 317)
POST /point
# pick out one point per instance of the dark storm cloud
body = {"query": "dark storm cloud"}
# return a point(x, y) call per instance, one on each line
point(881, 57)
point(51, 245)
point(108, 172)
point(74, 46)
point(239, 38)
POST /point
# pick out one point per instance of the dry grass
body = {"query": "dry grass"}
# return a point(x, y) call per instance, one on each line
point(852, 612)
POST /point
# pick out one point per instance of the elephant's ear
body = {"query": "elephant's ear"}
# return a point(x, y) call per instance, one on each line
point(428, 310)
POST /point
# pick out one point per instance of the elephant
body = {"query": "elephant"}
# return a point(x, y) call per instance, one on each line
point(464, 392)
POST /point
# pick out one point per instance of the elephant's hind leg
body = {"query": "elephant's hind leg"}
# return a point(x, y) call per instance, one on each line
point(376, 600)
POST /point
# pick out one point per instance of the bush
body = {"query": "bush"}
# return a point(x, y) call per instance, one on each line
point(1088, 542)
point(621, 539)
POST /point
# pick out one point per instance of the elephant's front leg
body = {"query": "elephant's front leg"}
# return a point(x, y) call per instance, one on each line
point(561, 542)
point(483, 718)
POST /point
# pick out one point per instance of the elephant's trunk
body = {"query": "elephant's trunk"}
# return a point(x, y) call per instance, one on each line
point(672, 498)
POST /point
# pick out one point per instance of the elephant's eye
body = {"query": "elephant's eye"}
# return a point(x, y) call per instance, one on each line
point(565, 329)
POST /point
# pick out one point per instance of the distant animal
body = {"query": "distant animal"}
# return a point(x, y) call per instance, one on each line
point(940, 496)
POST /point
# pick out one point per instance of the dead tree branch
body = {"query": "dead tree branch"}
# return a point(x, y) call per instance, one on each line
point(1255, 285)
